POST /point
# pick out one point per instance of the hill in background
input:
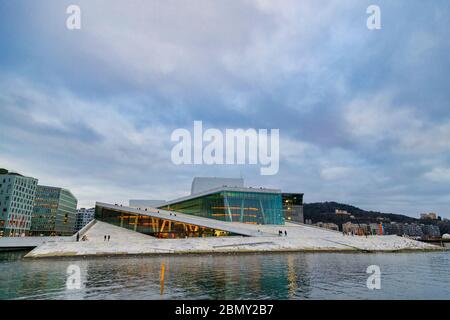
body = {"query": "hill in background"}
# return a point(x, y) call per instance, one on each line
point(325, 212)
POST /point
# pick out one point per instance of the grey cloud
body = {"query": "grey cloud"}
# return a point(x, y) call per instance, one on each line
point(363, 116)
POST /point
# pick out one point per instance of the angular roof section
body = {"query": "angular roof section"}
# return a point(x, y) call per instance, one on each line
point(134, 203)
point(58, 188)
point(220, 189)
point(200, 184)
point(234, 227)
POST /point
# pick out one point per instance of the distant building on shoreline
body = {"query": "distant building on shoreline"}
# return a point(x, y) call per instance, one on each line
point(356, 229)
point(17, 194)
point(400, 229)
point(55, 212)
point(84, 216)
point(412, 230)
point(329, 225)
point(339, 212)
point(428, 216)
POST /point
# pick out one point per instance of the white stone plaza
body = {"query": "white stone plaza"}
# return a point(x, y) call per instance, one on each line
point(299, 238)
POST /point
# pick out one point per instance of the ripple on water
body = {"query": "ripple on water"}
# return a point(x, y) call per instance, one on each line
point(252, 276)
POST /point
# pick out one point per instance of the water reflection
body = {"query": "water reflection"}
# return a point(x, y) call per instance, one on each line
point(253, 276)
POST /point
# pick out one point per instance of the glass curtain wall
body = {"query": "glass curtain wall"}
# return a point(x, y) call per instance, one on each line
point(235, 206)
point(156, 227)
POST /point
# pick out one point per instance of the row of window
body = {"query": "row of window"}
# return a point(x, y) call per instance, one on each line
point(18, 200)
point(20, 211)
point(20, 182)
point(24, 195)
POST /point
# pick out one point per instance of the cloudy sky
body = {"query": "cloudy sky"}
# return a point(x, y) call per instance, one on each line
point(364, 116)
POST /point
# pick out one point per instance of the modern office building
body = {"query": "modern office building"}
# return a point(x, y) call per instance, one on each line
point(17, 194)
point(207, 213)
point(55, 212)
point(293, 207)
point(84, 216)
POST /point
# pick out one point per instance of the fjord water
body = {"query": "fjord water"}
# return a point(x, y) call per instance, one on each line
point(424, 275)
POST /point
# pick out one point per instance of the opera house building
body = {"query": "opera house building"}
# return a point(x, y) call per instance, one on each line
point(215, 207)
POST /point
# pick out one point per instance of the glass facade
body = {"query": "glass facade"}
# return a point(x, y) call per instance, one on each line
point(84, 216)
point(156, 227)
point(67, 213)
point(16, 204)
point(234, 206)
point(293, 207)
point(54, 213)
